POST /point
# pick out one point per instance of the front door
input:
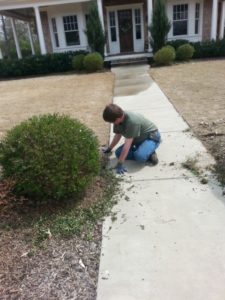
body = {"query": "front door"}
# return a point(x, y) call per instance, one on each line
point(125, 30)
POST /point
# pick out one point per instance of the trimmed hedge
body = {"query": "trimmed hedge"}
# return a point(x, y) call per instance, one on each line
point(50, 157)
point(78, 62)
point(185, 52)
point(93, 62)
point(38, 64)
point(177, 43)
point(209, 49)
point(164, 56)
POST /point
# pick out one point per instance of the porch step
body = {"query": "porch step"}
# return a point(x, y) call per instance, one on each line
point(129, 61)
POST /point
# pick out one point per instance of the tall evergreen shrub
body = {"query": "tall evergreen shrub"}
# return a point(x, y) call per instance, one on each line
point(160, 26)
point(94, 32)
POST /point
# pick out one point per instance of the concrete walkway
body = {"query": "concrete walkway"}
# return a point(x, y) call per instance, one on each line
point(168, 242)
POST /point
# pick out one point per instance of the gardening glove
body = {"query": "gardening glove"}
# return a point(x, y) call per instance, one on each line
point(106, 150)
point(120, 169)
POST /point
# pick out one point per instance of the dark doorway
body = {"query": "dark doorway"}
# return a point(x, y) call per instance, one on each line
point(125, 30)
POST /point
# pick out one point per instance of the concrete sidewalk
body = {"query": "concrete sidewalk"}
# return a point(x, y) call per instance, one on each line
point(168, 242)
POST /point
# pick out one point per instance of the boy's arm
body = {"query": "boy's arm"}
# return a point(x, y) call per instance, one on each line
point(126, 148)
point(115, 140)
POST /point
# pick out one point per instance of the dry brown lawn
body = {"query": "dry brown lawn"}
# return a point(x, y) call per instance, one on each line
point(80, 96)
point(54, 272)
point(197, 90)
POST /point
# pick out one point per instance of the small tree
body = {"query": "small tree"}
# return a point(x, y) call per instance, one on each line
point(94, 32)
point(160, 26)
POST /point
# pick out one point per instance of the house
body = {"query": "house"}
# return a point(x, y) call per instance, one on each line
point(60, 24)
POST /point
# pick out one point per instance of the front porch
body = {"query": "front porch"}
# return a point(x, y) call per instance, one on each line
point(61, 24)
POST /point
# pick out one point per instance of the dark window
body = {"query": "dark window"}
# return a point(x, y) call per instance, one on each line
point(71, 30)
point(180, 19)
point(197, 16)
point(87, 18)
point(55, 32)
point(137, 14)
point(112, 24)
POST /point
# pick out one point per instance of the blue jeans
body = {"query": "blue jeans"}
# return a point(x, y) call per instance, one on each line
point(141, 152)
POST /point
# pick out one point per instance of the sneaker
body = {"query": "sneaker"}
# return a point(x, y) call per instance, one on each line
point(153, 159)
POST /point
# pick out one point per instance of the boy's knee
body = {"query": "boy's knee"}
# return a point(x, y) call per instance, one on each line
point(140, 157)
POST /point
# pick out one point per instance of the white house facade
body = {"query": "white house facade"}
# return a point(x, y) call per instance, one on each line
point(61, 24)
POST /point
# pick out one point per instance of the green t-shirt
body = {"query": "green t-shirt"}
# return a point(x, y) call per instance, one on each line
point(135, 126)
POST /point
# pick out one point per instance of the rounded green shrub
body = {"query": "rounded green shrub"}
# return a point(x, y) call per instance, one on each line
point(164, 56)
point(172, 49)
point(93, 62)
point(50, 157)
point(78, 62)
point(185, 52)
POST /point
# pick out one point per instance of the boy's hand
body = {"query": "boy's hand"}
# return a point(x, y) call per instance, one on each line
point(106, 150)
point(120, 169)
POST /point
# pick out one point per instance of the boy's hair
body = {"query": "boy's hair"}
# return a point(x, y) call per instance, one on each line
point(112, 112)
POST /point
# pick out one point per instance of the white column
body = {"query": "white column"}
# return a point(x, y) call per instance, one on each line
point(16, 38)
point(222, 21)
point(1, 56)
point(100, 12)
point(149, 11)
point(214, 19)
point(30, 38)
point(40, 30)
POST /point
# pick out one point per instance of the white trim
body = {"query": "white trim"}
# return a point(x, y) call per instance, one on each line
point(191, 36)
point(40, 4)
point(138, 45)
point(58, 14)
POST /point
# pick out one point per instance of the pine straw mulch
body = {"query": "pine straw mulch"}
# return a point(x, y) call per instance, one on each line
point(62, 268)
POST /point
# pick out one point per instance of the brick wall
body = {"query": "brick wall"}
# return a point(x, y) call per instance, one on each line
point(207, 16)
point(45, 25)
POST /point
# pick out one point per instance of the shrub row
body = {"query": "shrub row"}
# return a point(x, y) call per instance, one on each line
point(91, 62)
point(166, 55)
point(205, 49)
point(47, 64)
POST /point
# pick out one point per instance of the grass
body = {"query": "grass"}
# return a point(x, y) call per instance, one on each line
point(191, 165)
